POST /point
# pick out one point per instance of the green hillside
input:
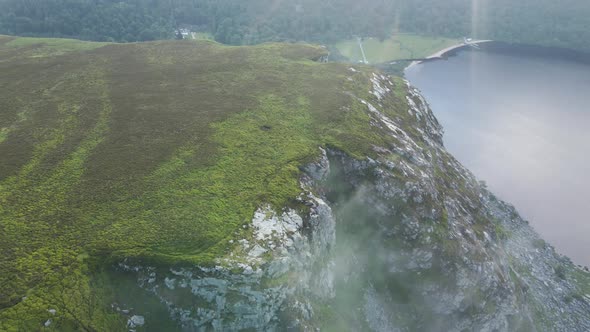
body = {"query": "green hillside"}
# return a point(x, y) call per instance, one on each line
point(156, 151)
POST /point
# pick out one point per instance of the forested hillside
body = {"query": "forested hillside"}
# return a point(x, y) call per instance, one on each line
point(542, 22)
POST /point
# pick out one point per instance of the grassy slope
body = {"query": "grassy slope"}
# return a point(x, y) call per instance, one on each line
point(157, 151)
point(402, 46)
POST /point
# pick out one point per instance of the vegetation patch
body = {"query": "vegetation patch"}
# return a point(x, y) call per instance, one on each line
point(3, 134)
point(202, 36)
point(583, 281)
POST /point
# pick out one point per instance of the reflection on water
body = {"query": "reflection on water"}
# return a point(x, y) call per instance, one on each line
point(522, 124)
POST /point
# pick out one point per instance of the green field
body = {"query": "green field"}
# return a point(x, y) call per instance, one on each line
point(402, 46)
point(202, 36)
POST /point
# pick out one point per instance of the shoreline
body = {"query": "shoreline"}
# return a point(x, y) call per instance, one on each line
point(445, 73)
point(440, 54)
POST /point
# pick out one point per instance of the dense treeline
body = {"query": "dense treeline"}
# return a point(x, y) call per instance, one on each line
point(545, 22)
point(564, 23)
point(100, 20)
point(230, 21)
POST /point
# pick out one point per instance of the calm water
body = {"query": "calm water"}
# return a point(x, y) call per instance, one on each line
point(520, 120)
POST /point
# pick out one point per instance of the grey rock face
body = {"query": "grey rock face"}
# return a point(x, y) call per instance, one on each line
point(135, 321)
point(318, 171)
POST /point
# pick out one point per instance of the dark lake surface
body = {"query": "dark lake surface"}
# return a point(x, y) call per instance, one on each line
point(519, 118)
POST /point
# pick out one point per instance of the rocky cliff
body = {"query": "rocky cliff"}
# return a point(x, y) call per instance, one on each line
point(408, 240)
point(192, 186)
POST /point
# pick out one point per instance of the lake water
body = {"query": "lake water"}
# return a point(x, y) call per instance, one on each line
point(519, 119)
